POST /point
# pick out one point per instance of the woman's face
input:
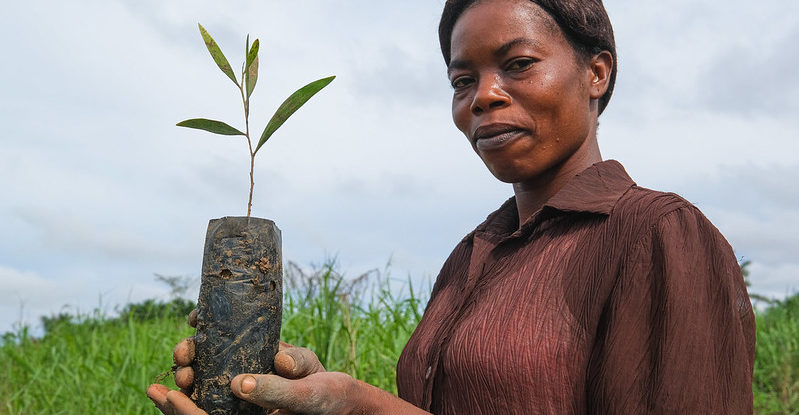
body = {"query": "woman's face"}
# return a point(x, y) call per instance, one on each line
point(522, 96)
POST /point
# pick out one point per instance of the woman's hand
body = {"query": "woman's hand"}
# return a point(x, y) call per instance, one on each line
point(320, 393)
point(303, 386)
point(317, 394)
point(290, 362)
point(300, 386)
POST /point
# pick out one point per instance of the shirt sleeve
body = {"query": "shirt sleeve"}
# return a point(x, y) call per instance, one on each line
point(677, 334)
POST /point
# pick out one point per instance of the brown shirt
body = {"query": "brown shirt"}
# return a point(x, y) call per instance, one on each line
point(611, 299)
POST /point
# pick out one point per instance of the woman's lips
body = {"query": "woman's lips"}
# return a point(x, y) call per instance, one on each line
point(494, 136)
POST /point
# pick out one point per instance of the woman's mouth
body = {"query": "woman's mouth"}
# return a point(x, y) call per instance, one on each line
point(494, 136)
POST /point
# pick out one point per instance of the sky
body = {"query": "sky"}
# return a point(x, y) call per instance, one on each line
point(100, 189)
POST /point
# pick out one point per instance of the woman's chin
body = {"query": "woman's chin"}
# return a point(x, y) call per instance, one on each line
point(506, 174)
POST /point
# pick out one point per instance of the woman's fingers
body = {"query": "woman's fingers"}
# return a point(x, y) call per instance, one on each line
point(157, 393)
point(320, 393)
point(267, 391)
point(182, 405)
point(193, 318)
point(184, 377)
point(183, 354)
point(172, 402)
point(296, 362)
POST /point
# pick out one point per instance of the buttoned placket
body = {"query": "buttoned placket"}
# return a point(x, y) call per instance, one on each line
point(482, 260)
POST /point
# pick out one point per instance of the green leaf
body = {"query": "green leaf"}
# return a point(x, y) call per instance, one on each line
point(290, 105)
point(217, 54)
point(216, 127)
point(251, 74)
point(246, 51)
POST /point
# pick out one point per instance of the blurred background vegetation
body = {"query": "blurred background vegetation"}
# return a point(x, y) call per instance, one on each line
point(86, 363)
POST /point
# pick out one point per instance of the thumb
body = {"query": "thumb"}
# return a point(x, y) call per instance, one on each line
point(270, 391)
point(297, 362)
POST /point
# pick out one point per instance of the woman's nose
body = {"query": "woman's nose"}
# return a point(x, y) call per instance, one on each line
point(489, 95)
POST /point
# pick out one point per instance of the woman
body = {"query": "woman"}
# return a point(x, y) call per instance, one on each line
point(583, 293)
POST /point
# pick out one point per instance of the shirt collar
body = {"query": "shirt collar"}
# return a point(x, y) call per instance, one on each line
point(594, 190)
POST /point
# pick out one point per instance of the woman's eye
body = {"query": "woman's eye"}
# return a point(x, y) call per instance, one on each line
point(520, 64)
point(461, 81)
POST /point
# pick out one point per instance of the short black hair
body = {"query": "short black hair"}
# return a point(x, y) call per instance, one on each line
point(585, 24)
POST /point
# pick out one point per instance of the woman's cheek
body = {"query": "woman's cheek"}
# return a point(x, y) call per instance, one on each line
point(460, 115)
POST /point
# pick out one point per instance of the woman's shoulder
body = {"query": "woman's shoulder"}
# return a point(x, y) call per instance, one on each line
point(648, 207)
point(651, 215)
point(645, 220)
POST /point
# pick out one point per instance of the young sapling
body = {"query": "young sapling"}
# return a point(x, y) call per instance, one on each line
point(249, 77)
point(241, 295)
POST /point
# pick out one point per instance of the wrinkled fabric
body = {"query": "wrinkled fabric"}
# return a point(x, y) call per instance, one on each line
point(611, 299)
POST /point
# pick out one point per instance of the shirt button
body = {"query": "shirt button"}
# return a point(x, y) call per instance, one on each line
point(427, 373)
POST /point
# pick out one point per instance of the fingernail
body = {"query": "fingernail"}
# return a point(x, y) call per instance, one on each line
point(248, 384)
point(285, 361)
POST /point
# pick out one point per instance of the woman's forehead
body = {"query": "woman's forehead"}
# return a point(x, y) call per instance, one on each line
point(496, 23)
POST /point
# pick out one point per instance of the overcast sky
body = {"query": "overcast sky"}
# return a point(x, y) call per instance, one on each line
point(100, 190)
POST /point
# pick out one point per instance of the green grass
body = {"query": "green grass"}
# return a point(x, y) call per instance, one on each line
point(92, 364)
point(776, 377)
point(358, 327)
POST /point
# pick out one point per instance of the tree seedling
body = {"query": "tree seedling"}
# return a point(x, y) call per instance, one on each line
point(249, 77)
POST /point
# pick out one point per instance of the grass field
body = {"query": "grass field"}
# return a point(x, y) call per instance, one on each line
point(776, 377)
point(92, 364)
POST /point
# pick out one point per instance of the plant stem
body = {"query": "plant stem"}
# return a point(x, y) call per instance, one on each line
point(249, 143)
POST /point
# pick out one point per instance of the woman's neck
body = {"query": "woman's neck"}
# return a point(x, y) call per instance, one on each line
point(531, 195)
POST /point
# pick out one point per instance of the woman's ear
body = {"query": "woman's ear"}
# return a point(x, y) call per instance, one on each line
point(601, 67)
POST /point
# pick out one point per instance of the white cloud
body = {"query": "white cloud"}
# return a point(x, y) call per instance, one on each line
point(774, 280)
point(100, 189)
point(26, 296)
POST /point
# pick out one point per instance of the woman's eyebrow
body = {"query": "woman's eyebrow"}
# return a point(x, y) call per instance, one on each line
point(457, 64)
point(502, 50)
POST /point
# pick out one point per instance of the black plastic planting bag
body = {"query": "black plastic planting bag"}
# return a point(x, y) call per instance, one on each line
point(239, 310)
